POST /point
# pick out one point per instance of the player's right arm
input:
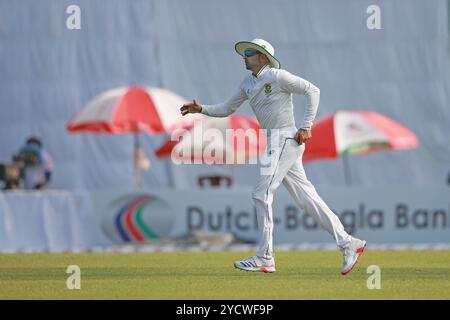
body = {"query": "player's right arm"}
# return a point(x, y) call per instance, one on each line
point(223, 109)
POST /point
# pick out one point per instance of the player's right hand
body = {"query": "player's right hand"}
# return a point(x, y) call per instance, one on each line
point(192, 107)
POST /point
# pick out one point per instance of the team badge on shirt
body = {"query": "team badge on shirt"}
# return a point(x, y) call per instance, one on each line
point(268, 89)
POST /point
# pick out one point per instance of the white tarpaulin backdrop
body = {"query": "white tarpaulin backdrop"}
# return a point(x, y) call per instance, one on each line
point(50, 72)
point(53, 221)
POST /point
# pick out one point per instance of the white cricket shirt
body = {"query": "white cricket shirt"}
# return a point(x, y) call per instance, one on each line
point(270, 96)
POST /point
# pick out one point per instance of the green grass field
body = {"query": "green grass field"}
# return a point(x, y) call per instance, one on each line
point(210, 275)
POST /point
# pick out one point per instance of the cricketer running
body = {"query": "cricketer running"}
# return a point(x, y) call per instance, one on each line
point(269, 90)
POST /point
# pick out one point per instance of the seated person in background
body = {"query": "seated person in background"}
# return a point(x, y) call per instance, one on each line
point(38, 172)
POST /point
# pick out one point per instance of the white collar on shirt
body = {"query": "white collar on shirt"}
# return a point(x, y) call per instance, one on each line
point(262, 71)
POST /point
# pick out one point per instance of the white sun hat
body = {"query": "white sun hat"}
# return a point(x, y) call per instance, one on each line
point(261, 46)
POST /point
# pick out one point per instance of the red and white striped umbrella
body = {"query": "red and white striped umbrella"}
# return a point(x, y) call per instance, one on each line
point(356, 133)
point(132, 109)
point(231, 140)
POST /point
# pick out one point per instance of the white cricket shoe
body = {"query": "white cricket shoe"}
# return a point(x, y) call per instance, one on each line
point(351, 253)
point(256, 264)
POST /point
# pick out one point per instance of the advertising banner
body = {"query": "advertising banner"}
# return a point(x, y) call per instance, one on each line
point(381, 216)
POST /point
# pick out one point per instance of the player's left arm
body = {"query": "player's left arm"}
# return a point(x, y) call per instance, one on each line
point(294, 84)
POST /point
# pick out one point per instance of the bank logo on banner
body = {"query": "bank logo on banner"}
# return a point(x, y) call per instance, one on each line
point(137, 218)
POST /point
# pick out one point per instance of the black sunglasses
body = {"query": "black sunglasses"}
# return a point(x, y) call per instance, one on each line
point(250, 53)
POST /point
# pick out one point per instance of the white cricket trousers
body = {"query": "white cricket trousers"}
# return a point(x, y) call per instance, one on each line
point(286, 166)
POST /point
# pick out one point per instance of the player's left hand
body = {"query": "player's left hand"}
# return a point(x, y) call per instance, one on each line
point(302, 135)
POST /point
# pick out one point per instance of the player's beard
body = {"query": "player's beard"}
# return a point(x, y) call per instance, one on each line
point(249, 65)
